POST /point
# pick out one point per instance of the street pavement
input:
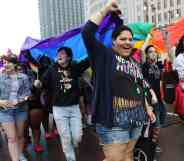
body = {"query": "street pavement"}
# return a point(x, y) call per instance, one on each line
point(171, 142)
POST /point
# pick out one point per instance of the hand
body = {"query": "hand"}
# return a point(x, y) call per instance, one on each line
point(152, 116)
point(111, 6)
point(26, 98)
point(14, 102)
point(37, 83)
point(7, 104)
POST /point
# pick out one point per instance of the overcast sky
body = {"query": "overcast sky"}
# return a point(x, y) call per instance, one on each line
point(18, 19)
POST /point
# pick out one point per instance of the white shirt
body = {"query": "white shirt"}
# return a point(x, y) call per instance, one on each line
point(178, 65)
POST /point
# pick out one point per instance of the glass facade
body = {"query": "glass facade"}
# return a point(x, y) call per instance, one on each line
point(58, 16)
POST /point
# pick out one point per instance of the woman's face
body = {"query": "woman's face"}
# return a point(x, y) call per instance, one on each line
point(9, 67)
point(62, 58)
point(123, 43)
point(152, 54)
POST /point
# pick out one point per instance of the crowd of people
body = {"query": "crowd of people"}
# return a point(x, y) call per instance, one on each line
point(122, 97)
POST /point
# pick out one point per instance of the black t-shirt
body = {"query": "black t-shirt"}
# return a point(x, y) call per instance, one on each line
point(152, 74)
point(62, 84)
point(123, 85)
point(169, 79)
point(68, 87)
point(127, 80)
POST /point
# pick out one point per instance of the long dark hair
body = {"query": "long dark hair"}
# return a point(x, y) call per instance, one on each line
point(180, 46)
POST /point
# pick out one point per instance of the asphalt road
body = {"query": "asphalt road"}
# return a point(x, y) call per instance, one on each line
point(171, 141)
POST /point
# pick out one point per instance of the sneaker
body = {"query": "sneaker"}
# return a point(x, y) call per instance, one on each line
point(38, 148)
point(158, 149)
point(22, 158)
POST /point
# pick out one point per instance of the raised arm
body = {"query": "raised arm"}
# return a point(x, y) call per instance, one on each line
point(82, 66)
point(93, 46)
point(112, 6)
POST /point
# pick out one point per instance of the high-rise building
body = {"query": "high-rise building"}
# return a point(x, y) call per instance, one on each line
point(163, 12)
point(159, 12)
point(131, 9)
point(58, 16)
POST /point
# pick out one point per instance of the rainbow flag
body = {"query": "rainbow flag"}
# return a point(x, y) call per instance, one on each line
point(33, 67)
point(72, 39)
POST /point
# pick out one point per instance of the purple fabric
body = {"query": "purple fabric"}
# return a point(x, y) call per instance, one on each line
point(50, 45)
point(109, 20)
point(29, 43)
point(49, 42)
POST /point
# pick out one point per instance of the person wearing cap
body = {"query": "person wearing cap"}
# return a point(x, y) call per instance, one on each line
point(118, 96)
point(61, 81)
point(14, 92)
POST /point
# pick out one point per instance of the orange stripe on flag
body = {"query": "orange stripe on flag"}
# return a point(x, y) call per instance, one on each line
point(33, 67)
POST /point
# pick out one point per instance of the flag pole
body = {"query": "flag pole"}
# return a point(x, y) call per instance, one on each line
point(37, 75)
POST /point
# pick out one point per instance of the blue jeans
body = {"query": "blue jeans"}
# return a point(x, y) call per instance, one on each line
point(13, 115)
point(69, 124)
point(117, 135)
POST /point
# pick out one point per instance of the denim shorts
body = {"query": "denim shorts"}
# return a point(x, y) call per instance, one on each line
point(13, 115)
point(117, 135)
point(160, 113)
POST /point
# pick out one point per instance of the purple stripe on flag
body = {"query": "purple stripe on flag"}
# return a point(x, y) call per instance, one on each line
point(50, 45)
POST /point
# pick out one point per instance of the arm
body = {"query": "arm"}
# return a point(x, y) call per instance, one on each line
point(148, 88)
point(148, 107)
point(149, 111)
point(154, 99)
point(4, 104)
point(26, 89)
point(82, 66)
point(94, 46)
point(112, 6)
